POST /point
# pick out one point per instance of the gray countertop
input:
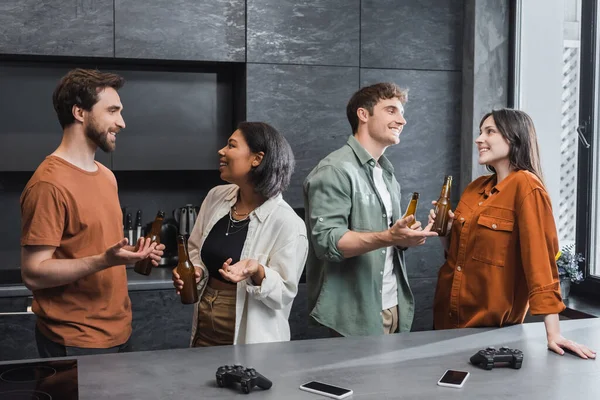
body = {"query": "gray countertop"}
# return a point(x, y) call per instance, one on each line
point(403, 366)
point(160, 278)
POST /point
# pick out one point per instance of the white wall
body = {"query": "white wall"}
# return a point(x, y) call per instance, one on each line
point(540, 89)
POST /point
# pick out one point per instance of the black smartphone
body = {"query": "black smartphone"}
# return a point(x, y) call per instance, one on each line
point(335, 392)
point(453, 378)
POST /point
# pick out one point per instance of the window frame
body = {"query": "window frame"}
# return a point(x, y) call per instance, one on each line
point(588, 113)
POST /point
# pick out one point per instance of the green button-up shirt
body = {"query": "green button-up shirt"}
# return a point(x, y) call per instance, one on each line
point(344, 294)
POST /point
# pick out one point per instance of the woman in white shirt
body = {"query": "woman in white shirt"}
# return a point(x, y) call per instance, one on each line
point(248, 245)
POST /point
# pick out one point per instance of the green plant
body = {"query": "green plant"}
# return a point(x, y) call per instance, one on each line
point(568, 264)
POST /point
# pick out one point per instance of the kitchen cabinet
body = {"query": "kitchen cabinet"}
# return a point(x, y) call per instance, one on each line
point(30, 128)
point(205, 30)
point(57, 28)
point(305, 103)
point(17, 329)
point(176, 117)
point(323, 32)
point(175, 120)
point(160, 321)
point(431, 39)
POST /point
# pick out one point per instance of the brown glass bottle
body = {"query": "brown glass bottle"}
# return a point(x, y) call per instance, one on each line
point(412, 207)
point(440, 225)
point(186, 271)
point(144, 266)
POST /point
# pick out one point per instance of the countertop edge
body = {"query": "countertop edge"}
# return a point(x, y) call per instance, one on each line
point(159, 279)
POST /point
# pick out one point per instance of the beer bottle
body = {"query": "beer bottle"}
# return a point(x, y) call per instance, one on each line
point(440, 225)
point(144, 266)
point(186, 271)
point(412, 207)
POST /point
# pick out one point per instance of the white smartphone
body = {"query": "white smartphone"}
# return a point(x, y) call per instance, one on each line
point(335, 392)
point(452, 378)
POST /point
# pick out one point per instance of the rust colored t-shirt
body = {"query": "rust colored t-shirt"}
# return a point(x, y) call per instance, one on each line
point(501, 258)
point(78, 212)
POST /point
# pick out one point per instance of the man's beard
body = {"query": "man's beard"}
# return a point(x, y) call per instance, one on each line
point(99, 138)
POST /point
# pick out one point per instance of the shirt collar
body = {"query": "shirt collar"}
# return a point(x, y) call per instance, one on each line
point(364, 157)
point(489, 185)
point(261, 212)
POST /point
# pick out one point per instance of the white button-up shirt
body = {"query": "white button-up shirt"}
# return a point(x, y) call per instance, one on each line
point(277, 240)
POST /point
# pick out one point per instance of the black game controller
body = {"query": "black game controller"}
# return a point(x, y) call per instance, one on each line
point(247, 377)
point(490, 357)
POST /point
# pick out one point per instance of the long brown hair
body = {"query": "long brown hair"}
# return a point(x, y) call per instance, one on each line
point(518, 129)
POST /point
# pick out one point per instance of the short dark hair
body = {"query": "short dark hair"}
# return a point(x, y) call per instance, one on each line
point(368, 96)
point(81, 87)
point(274, 173)
point(517, 128)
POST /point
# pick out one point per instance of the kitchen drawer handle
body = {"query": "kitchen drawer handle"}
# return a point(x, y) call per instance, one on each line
point(16, 313)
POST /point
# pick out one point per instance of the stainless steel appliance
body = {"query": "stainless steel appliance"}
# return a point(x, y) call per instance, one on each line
point(186, 218)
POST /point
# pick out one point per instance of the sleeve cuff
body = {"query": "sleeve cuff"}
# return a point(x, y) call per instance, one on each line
point(332, 253)
point(266, 286)
point(547, 302)
point(203, 281)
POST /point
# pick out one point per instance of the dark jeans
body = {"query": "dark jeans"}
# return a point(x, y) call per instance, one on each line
point(47, 348)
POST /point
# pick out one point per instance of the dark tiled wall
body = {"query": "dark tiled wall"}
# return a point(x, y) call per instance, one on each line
point(425, 34)
point(302, 71)
point(305, 103)
point(180, 29)
point(318, 32)
point(62, 28)
point(304, 59)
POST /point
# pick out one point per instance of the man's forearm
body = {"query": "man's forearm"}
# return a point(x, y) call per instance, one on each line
point(354, 244)
point(53, 272)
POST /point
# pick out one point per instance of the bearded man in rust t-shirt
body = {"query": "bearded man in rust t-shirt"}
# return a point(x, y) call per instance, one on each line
point(73, 253)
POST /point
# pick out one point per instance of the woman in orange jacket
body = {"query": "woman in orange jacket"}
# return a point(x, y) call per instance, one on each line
point(502, 241)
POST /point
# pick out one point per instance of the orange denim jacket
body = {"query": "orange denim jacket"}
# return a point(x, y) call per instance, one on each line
point(501, 256)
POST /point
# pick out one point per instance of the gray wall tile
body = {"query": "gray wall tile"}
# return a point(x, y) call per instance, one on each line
point(485, 74)
point(324, 32)
point(409, 34)
point(75, 28)
point(424, 292)
point(429, 148)
point(160, 321)
point(308, 105)
point(210, 30)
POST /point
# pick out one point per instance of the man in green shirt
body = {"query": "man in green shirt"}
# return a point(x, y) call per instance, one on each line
point(356, 275)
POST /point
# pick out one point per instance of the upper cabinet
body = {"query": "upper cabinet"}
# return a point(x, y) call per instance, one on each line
point(317, 32)
point(205, 30)
point(407, 34)
point(57, 28)
point(30, 128)
point(175, 120)
point(306, 103)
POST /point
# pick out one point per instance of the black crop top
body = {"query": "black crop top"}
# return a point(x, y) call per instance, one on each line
point(218, 246)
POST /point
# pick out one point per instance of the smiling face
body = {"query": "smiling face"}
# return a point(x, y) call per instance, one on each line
point(387, 121)
point(236, 160)
point(104, 121)
point(492, 145)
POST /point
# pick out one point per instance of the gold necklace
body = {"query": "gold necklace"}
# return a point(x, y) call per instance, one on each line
point(239, 214)
point(232, 223)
